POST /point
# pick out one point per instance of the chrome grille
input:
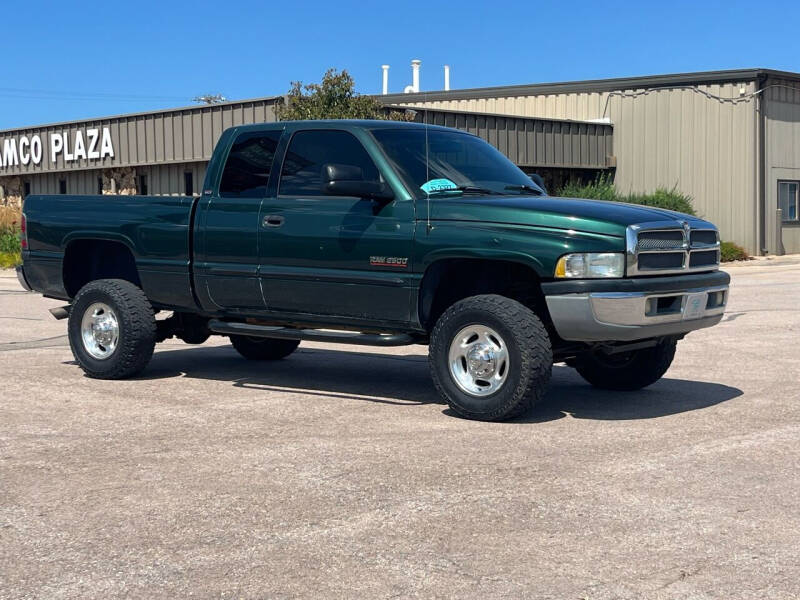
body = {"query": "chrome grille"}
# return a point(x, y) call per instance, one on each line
point(671, 247)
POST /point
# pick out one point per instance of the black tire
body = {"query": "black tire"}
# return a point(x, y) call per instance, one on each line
point(254, 348)
point(529, 352)
point(627, 371)
point(136, 327)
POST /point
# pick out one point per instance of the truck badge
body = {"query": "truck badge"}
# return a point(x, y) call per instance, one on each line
point(388, 261)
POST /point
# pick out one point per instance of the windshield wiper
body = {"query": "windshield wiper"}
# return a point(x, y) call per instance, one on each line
point(525, 188)
point(468, 189)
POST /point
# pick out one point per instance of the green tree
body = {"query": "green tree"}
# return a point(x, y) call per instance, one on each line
point(334, 98)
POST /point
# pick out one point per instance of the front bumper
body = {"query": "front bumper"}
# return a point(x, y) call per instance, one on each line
point(634, 309)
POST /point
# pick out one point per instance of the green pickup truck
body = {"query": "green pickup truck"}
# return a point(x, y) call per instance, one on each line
point(379, 233)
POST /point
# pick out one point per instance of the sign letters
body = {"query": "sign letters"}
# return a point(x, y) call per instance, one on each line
point(82, 144)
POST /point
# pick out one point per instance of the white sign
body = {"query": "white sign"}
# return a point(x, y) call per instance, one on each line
point(82, 144)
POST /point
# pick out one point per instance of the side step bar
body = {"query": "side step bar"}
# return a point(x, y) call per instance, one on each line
point(312, 335)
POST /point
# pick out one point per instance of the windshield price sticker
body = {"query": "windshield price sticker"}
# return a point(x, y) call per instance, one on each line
point(438, 185)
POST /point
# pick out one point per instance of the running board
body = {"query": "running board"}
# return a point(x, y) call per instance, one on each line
point(312, 335)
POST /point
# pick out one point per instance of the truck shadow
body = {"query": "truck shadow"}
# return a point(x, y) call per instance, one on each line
point(403, 379)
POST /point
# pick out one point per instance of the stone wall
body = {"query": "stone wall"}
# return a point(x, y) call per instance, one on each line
point(120, 181)
point(11, 191)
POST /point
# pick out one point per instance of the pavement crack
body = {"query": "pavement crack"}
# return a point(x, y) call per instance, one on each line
point(59, 340)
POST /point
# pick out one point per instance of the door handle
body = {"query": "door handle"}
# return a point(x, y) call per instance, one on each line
point(272, 221)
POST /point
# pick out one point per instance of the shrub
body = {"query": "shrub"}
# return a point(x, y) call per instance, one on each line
point(663, 198)
point(9, 237)
point(602, 188)
point(729, 252)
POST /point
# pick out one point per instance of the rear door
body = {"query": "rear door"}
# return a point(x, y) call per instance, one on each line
point(228, 274)
point(334, 255)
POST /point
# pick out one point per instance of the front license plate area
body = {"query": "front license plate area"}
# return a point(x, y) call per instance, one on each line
point(695, 305)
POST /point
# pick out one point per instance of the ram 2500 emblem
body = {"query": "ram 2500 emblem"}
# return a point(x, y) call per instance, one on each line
point(388, 261)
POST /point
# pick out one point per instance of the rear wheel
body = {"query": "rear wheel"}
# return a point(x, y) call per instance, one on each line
point(490, 358)
point(258, 348)
point(626, 371)
point(112, 329)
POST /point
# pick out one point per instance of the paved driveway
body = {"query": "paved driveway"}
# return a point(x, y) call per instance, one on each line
point(337, 472)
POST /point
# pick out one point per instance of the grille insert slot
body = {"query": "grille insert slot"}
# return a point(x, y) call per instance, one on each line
point(704, 258)
point(658, 261)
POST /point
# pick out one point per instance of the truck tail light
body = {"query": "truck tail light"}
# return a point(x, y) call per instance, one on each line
point(23, 232)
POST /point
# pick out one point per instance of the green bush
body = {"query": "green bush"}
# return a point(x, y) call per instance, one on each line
point(9, 240)
point(603, 188)
point(9, 260)
point(9, 237)
point(729, 252)
point(663, 198)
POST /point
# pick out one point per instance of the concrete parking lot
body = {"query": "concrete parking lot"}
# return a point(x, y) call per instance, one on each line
point(337, 472)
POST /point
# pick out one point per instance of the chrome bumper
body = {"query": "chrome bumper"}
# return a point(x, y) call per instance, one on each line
point(626, 316)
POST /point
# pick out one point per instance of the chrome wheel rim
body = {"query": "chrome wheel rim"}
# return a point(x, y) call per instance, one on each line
point(478, 360)
point(100, 331)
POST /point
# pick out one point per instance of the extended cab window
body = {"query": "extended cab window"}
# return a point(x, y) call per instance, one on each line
point(249, 163)
point(310, 151)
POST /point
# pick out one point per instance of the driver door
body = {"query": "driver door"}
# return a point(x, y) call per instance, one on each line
point(327, 255)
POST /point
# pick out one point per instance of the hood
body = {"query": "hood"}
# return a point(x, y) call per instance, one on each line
point(594, 216)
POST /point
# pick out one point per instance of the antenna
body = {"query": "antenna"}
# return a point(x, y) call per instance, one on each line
point(428, 227)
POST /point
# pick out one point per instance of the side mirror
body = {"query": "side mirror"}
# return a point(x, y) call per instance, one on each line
point(348, 180)
point(538, 180)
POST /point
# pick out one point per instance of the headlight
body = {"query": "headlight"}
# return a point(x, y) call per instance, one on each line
point(592, 265)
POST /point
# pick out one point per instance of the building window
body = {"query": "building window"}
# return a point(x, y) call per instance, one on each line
point(789, 199)
point(26, 189)
point(62, 186)
point(99, 186)
point(143, 185)
point(188, 183)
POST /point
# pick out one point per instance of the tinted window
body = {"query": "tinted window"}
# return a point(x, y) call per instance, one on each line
point(250, 160)
point(310, 151)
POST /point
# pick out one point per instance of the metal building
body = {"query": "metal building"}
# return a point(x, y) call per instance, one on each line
point(166, 152)
point(730, 139)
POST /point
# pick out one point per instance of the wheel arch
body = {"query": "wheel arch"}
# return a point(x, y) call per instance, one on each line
point(449, 279)
point(90, 258)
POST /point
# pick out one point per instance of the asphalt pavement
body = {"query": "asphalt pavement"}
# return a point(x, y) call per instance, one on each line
point(338, 473)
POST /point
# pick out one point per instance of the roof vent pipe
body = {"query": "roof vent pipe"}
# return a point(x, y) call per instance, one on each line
point(447, 78)
point(385, 79)
point(415, 74)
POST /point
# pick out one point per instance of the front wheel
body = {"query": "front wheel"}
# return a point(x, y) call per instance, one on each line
point(112, 329)
point(626, 371)
point(490, 358)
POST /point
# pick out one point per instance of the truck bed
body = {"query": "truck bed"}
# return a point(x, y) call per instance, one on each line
point(154, 229)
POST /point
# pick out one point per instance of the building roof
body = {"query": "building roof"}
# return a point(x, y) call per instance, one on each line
point(594, 85)
point(163, 111)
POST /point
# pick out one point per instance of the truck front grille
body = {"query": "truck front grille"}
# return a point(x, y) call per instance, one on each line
point(659, 249)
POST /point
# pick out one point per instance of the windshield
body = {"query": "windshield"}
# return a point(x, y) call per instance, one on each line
point(458, 163)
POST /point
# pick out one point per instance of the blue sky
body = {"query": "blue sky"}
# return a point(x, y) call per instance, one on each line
point(71, 60)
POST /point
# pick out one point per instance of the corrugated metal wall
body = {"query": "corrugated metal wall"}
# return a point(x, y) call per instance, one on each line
point(534, 142)
point(664, 138)
point(782, 156)
point(180, 135)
